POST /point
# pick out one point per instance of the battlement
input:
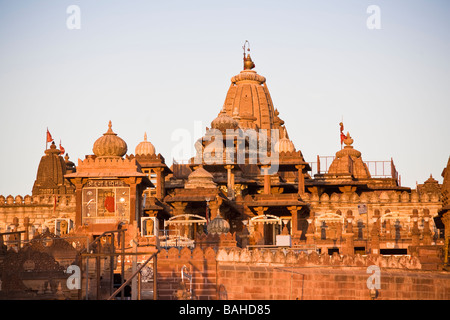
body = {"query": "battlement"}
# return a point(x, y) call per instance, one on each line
point(106, 167)
point(282, 257)
point(27, 200)
point(94, 162)
point(374, 197)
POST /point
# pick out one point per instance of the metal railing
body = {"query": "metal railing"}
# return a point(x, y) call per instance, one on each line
point(138, 274)
point(377, 169)
point(89, 253)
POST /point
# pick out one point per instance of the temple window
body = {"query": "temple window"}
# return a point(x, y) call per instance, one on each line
point(104, 203)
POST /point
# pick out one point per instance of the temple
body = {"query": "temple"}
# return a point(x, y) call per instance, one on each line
point(248, 189)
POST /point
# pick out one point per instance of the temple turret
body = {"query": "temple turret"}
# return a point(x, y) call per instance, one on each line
point(248, 100)
point(50, 174)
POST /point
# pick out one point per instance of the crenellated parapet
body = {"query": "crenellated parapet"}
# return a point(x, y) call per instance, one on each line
point(281, 257)
point(94, 164)
point(38, 200)
point(291, 258)
point(404, 197)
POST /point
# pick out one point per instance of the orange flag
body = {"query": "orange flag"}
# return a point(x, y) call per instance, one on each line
point(343, 136)
point(49, 136)
point(61, 148)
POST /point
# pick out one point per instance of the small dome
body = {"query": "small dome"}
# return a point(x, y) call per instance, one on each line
point(284, 144)
point(110, 145)
point(218, 225)
point(224, 122)
point(200, 178)
point(145, 147)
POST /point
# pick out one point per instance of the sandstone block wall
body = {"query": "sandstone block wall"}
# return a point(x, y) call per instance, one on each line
point(240, 274)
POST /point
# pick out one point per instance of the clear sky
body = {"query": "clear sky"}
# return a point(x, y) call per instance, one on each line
point(164, 67)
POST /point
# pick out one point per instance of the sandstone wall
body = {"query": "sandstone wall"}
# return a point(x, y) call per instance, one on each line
point(41, 210)
point(239, 274)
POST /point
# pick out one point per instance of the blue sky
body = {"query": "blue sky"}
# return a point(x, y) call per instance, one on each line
point(164, 66)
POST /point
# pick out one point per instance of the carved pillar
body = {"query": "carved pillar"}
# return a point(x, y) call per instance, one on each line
point(301, 179)
point(79, 205)
point(348, 235)
point(296, 233)
point(311, 229)
point(178, 209)
point(244, 235)
point(375, 233)
point(26, 224)
point(135, 193)
point(267, 182)
point(132, 202)
point(230, 181)
point(415, 230)
point(16, 237)
point(426, 227)
point(160, 183)
point(260, 234)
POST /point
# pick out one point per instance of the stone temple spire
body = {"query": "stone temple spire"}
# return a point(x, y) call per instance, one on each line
point(349, 161)
point(248, 99)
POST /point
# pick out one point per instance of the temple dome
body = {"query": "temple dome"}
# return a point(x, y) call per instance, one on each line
point(224, 122)
point(200, 178)
point(349, 161)
point(284, 144)
point(218, 225)
point(248, 100)
point(110, 145)
point(145, 147)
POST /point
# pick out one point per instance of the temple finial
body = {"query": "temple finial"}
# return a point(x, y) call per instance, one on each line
point(248, 63)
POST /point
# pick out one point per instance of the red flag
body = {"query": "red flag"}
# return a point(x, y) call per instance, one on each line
point(61, 148)
point(49, 136)
point(343, 136)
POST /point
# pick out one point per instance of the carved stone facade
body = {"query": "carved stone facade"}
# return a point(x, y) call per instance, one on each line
point(231, 196)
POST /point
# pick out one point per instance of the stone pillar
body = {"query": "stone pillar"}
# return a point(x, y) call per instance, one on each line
point(160, 183)
point(133, 201)
point(375, 233)
point(259, 228)
point(26, 224)
point(79, 205)
point(230, 181)
point(415, 230)
point(311, 229)
point(296, 234)
point(426, 228)
point(348, 248)
point(267, 182)
point(178, 209)
point(301, 179)
point(244, 235)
